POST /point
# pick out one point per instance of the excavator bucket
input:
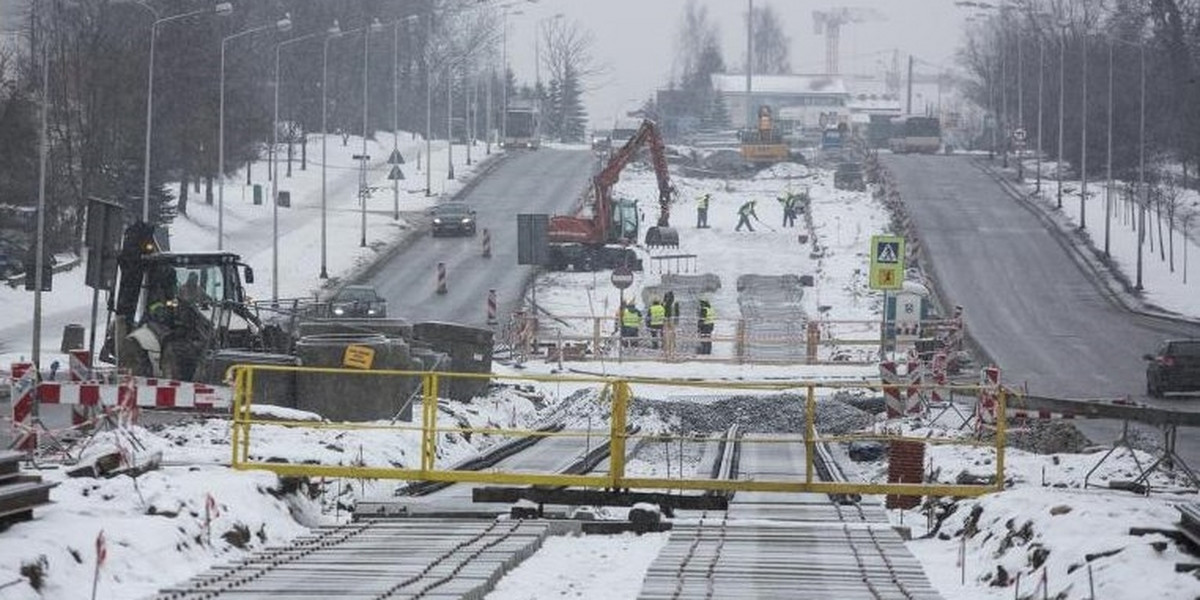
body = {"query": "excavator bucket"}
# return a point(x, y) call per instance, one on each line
point(662, 237)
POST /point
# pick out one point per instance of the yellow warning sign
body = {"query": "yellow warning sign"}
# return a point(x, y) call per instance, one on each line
point(358, 357)
point(887, 262)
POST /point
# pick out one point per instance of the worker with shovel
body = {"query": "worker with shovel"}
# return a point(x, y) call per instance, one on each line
point(744, 213)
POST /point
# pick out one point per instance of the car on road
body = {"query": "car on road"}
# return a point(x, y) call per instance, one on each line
point(452, 218)
point(849, 176)
point(357, 301)
point(1174, 367)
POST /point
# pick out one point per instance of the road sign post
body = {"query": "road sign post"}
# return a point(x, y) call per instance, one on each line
point(622, 278)
point(887, 262)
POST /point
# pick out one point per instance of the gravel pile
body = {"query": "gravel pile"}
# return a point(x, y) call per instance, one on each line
point(783, 413)
point(1046, 437)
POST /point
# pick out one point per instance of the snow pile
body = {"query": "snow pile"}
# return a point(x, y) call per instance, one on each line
point(1078, 544)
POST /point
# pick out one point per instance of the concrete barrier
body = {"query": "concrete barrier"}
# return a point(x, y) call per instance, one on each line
point(470, 350)
point(269, 387)
point(352, 397)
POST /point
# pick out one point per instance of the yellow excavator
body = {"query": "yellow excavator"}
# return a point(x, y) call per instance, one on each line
point(764, 144)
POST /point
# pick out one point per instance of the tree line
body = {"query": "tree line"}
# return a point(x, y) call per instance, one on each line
point(97, 55)
point(1068, 44)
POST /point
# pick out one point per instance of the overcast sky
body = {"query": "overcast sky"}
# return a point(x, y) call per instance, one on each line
point(636, 39)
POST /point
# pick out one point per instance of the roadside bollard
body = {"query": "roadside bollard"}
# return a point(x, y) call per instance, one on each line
point(441, 278)
point(487, 243)
point(491, 307)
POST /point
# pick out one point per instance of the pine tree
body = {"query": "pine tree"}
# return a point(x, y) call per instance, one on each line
point(552, 111)
point(573, 115)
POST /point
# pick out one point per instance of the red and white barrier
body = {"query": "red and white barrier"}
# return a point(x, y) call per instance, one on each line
point(491, 307)
point(939, 393)
point(24, 382)
point(487, 243)
point(989, 396)
point(891, 389)
point(441, 278)
point(139, 392)
point(914, 403)
point(80, 369)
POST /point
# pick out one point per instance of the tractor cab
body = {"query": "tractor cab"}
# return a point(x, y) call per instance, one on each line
point(170, 309)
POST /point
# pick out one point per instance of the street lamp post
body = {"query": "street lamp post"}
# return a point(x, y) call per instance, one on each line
point(396, 113)
point(1041, 84)
point(221, 9)
point(1083, 102)
point(333, 32)
point(363, 191)
point(283, 24)
point(275, 168)
point(1108, 157)
point(1062, 57)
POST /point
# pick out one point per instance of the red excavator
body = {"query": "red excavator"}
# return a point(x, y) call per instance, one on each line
point(603, 240)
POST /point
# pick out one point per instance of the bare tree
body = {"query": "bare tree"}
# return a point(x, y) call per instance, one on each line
point(567, 56)
point(771, 46)
point(1170, 196)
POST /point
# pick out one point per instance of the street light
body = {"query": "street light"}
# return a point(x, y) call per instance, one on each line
point(363, 190)
point(284, 24)
point(1083, 101)
point(395, 159)
point(504, 76)
point(1062, 58)
point(334, 32)
point(1141, 146)
point(221, 9)
point(275, 168)
point(1041, 84)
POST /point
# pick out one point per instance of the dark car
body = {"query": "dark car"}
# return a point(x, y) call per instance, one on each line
point(357, 301)
point(1175, 367)
point(849, 176)
point(453, 218)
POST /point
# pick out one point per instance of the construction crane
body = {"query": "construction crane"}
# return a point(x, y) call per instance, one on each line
point(831, 21)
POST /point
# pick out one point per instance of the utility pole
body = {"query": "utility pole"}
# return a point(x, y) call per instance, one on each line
point(908, 102)
point(1083, 135)
point(749, 63)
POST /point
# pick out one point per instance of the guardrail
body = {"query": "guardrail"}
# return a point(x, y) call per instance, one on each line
point(583, 338)
point(615, 394)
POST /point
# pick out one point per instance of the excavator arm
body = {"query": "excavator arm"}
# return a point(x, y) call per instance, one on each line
point(647, 134)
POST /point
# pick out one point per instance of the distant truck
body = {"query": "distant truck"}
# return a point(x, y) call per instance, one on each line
point(521, 127)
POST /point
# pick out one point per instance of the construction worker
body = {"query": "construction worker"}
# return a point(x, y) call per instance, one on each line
point(707, 319)
point(631, 320)
point(702, 211)
point(788, 203)
point(744, 213)
point(656, 318)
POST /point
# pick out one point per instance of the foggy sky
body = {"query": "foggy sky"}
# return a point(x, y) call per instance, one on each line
point(637, 40)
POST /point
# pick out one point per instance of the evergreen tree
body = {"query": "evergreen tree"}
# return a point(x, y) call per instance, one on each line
point(572, 114)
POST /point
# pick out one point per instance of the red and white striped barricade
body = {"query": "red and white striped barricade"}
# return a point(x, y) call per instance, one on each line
point(80, 369)
point(989, 396)
point(891, 389)
point(939, 393)
point(24, 383)
point(914, 403)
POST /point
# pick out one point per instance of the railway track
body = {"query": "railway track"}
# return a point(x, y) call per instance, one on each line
point(785, 546)
point(764, 546)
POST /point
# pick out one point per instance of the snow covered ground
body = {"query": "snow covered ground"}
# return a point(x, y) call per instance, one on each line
point(162, 528)
point(1170, 251)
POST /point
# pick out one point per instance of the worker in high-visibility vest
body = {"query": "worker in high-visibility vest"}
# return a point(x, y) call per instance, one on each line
point(656, 318)
point(707, 320)
point(631, 320)
point(702, 211)
point(745, 211)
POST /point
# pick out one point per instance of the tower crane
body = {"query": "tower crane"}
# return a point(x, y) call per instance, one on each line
point(831, 20)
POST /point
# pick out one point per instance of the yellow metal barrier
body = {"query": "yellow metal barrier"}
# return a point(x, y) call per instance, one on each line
point(619, 391)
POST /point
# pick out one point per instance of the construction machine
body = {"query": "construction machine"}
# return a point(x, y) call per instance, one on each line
point(763, 144)
point(603, 240)
point(170, 310)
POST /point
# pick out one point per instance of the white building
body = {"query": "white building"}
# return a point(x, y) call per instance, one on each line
point(797, 101)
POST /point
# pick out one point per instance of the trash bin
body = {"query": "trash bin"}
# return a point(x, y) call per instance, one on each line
point(72, 337)
point(285, 199)
point(257, 194)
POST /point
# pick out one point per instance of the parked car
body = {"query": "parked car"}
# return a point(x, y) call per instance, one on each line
point(357, 301)
point(849, 176)
point(453, 218)
point(1174, 367)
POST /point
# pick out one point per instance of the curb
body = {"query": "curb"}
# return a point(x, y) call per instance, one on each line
point(1113, 284)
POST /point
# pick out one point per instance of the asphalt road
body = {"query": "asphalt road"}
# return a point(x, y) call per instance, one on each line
point(545, 181)
point(1033, 309)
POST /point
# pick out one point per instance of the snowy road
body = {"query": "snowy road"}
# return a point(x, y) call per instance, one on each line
point(546, 181)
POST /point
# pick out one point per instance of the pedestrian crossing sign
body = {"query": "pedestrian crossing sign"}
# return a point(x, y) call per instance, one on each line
point(887, 262)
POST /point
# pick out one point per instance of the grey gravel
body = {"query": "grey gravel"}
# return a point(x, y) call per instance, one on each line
point(781, 413)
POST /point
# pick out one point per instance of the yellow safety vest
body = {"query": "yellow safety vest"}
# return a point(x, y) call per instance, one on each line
point(709, 315)
point(703, 201)
point(630, 319)
point(658, 314)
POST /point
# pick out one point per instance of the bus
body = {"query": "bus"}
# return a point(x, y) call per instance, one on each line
point(521, 128)
point(915, 134)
